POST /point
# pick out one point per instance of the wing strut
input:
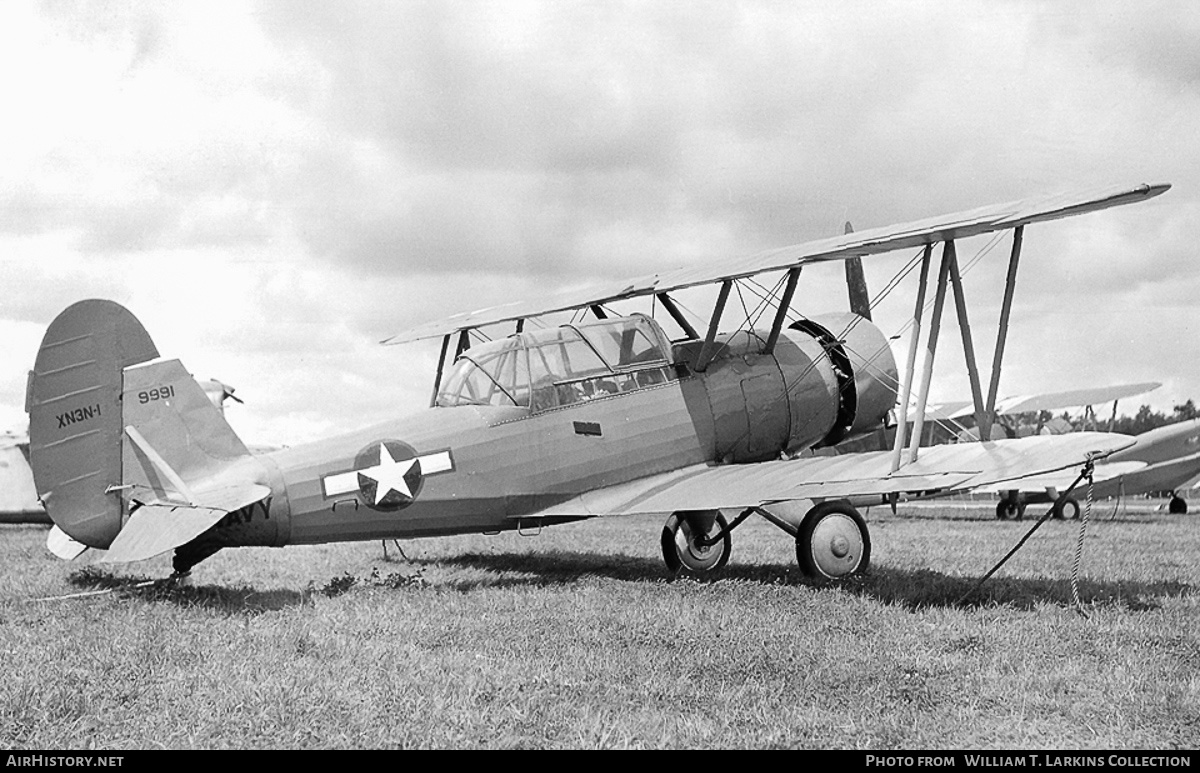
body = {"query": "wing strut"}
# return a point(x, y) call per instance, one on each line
point(1010, 284)
point(935, 329)
point(964, 327)
point(793, 276)
point(705, 353)
point(669, 304)
point(437, 378)
point(464, 342)
point(949, 275)
point(911, 364)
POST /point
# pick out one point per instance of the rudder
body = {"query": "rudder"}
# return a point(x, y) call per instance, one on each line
point(75, 419)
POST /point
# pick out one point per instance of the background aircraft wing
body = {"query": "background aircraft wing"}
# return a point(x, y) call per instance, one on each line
point(939, 470)
point(1049, 401)
point(1073, 398)
point(959, 225)
point(1114, 478)
point(1062, 478)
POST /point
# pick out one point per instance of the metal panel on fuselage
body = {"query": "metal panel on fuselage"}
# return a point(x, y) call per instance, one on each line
point(486, 466)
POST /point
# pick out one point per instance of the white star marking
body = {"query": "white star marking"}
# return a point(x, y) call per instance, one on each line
point(347, 482)
point(389, 475)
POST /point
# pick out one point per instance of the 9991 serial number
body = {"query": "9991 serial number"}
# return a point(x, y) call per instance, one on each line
point(158, 393)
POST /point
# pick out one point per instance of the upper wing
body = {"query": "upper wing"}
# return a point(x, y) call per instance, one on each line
point(939, 470)
point(959, 225)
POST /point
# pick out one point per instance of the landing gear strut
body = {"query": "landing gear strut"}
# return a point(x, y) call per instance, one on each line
point(832, 541)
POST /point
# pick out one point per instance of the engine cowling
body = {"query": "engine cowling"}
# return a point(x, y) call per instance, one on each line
point(864, 367)
point(829, 379)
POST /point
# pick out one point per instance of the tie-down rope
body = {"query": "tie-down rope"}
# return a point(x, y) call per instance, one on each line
point(1086, 472)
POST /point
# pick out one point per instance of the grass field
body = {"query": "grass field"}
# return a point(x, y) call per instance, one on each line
point(576, 639)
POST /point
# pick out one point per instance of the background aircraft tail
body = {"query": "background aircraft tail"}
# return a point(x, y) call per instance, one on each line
point(128, 455)
point(856, 284)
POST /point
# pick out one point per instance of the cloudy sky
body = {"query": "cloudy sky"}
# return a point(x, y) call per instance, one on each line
point(273, 187)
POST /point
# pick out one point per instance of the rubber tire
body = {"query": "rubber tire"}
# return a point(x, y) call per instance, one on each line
point(671, 549)
point(808, 527)
point(1006, 509)
point(1069, 510)
point(1177, 506)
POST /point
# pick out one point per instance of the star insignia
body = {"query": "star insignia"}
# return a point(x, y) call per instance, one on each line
point(387, 475)
point(391, 482)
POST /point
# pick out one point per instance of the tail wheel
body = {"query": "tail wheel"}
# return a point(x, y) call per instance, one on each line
point(687, 545)
point(833, 542)
point(1069, 509)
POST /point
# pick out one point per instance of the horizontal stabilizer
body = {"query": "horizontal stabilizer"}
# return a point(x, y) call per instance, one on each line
point(61, 545)
point(156, 528)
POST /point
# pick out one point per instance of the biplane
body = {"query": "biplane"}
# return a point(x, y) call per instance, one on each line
point(537, 427)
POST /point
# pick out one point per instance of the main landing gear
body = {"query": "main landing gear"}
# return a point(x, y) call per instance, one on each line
point(696, 542)
point(832, 541)
point(1009, 508)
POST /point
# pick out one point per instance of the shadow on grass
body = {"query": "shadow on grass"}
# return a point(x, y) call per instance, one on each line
point(913, 589)
point(240, 599)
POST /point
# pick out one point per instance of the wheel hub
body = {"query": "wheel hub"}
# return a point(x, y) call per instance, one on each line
point(837, 545)
point(695, 547)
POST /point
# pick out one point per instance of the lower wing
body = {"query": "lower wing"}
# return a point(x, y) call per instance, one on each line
point(940, 470)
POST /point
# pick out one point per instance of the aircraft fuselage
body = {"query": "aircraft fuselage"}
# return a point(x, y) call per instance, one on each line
point(487, 468)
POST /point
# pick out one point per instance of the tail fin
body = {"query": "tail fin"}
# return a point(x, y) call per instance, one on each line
point(856, 284)
point(128, 456)
point(74, 405)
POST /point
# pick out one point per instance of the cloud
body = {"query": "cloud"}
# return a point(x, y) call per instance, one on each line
point(274, 187)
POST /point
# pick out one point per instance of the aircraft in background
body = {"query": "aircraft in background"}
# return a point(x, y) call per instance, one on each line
point(1165, 459)
point(547, 426)
point(18, 496)
point(1011, 412)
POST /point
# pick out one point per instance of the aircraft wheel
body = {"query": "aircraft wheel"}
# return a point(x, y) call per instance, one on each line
point(1069, 509)
point(683, 542)
point(833, 542)
point(1006, 508)
point(1177, 506)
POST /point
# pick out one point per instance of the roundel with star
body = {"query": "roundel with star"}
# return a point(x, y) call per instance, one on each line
point(389, 475)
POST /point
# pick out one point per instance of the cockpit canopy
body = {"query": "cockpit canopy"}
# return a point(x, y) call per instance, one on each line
point(559, 366)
